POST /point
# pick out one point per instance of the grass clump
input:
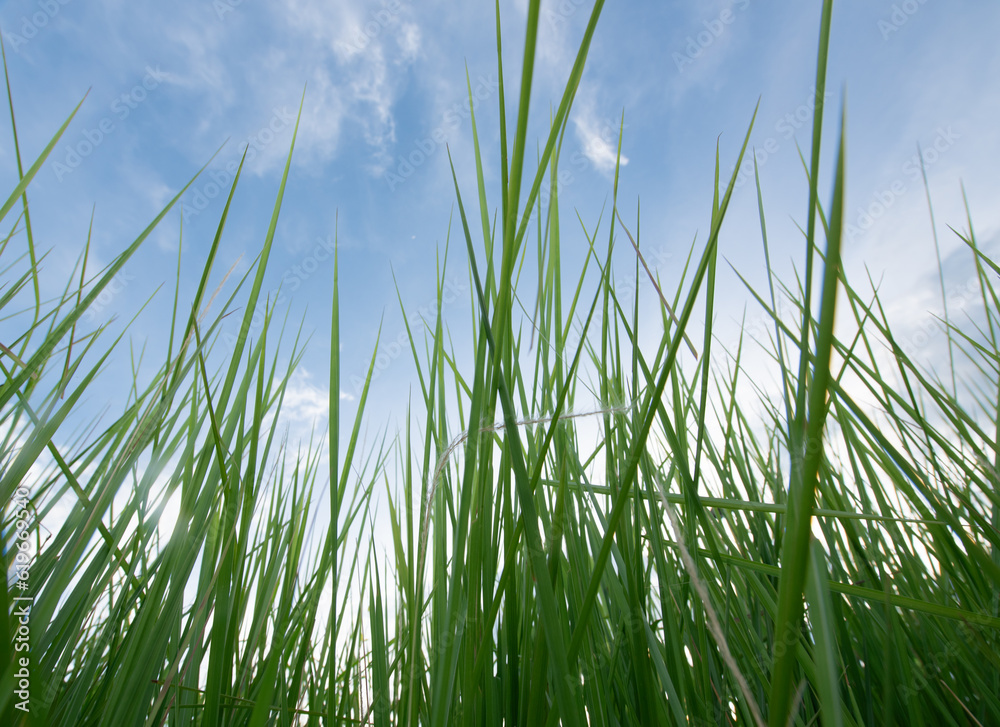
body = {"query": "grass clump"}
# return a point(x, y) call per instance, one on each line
point(834, 559)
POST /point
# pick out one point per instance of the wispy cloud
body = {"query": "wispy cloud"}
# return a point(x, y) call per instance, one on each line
point(357, 54)
point(598, 138)
point(306, 402)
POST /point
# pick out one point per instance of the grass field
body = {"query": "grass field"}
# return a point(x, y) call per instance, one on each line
point(829, 555)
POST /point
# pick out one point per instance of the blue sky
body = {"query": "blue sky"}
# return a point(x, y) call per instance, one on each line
point(168, 84)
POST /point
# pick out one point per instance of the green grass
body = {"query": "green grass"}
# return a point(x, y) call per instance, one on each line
point(830, 555)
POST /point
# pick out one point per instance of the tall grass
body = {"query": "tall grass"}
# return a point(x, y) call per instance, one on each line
point(834, 559)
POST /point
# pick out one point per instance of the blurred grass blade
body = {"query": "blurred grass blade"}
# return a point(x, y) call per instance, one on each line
point(801, 497)
point(821, 618)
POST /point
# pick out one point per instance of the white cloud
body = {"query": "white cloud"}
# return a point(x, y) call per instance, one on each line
point(304, 402)
point(355, 52)
point(409, 41)
point(351, 56)
point(699, 57)
point(599, 138)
